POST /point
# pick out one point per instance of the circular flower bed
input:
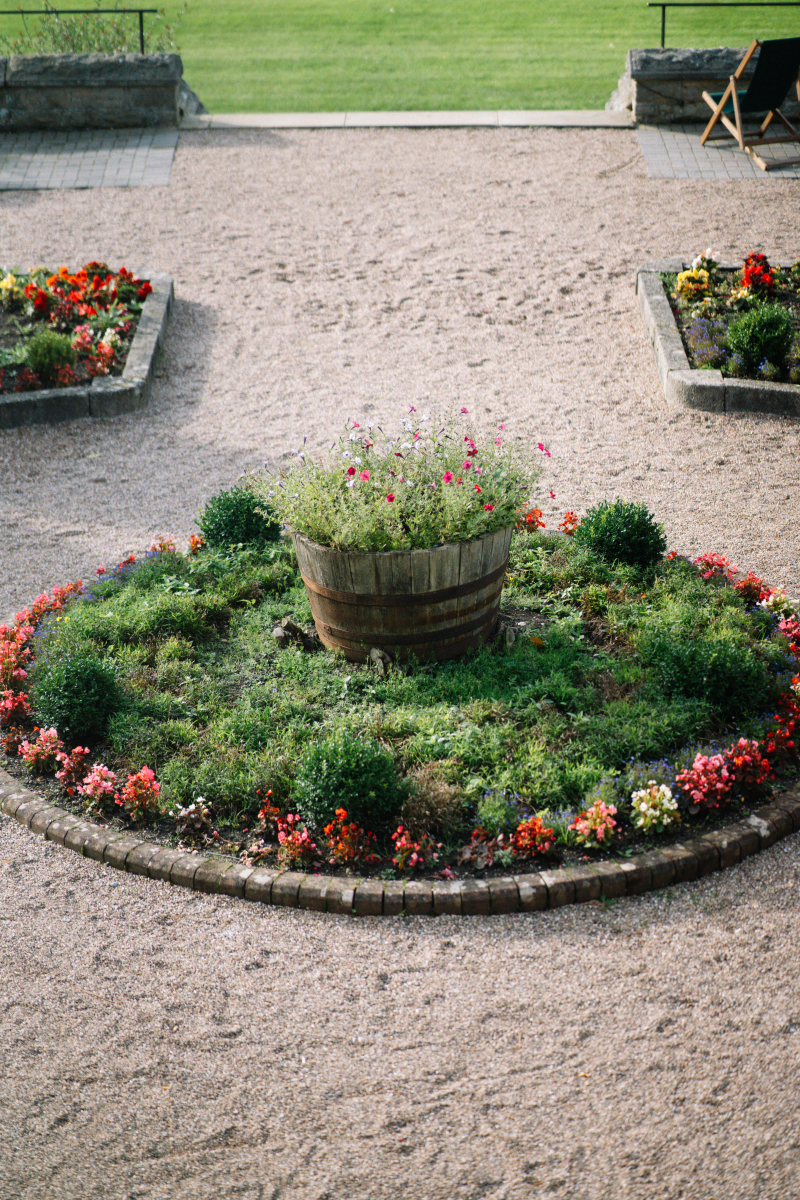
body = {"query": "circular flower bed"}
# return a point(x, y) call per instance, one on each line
point(622, 704)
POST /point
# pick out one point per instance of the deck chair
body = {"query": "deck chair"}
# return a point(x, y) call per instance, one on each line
point(777, 69)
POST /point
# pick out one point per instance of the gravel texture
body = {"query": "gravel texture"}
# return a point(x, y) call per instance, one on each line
point(158, 1044)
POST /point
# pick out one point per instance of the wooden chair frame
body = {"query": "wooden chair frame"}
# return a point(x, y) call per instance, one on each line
point(745, 140)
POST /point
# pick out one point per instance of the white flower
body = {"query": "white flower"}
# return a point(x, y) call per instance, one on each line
point(357, 460)
point(346, 454)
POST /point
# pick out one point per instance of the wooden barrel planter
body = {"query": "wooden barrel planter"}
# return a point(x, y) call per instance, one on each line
point(422, 604)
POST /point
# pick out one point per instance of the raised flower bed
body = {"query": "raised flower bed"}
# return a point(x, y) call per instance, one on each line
point(726, 337)
point(78, 345)
point(630, 699)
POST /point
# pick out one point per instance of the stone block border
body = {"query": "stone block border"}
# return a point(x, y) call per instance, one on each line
point(656, 869)
point(685, 387)
point(109, 395)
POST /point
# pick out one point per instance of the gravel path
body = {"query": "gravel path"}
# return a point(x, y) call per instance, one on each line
point(158, 1044)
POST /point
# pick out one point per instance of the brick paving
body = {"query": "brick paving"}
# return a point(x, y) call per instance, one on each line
point(674, 152)
point(86, 158)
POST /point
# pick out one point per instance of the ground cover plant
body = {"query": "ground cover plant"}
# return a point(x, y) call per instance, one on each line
point(108, 31)
point(334, 56)
point(58, 329)
point(744, 323)
point(621, 702)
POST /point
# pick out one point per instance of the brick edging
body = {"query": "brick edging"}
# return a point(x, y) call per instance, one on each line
point(107, 395)
point(686, 387)
point(647, 872)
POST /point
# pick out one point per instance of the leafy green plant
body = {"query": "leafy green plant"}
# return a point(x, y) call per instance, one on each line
point(48, 352)
point(238, 517)
point(99, 33)
point(622, 532)
point(423, 484)
point(346, 771)
point(77, 692)
point(727, 674)
point(763, 333)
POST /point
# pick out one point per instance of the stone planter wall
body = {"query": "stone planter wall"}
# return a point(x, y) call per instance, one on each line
point(662, 87)
point(89, 91)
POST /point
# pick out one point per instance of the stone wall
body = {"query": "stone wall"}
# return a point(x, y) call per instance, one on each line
point(663, 87)
point(89, 91)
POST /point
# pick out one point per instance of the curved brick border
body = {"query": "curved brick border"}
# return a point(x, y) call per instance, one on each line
point(108, 395)
point(370, 897)
point(685, 387)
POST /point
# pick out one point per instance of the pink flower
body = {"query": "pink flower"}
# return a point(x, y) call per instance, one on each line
point(498, 441)
point(501, 426)
point(552, 495)
point(488, 508)
point(467, 466)
point(390, 498)
point(448, 477)
point(411, 408)
point(356, 425)
point(101, 570)
point(351, 470)
point(364, 476)
point(463, 410)
point(544, 449)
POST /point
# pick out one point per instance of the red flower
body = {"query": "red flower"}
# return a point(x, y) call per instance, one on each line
point(144, 290)
point(351, 470)
point(390, 498)
point(488, 508)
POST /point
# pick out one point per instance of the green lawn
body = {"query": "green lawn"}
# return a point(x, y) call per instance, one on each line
point(333, 55)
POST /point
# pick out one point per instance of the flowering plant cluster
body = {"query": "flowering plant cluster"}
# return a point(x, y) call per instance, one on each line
point(42, 754)
point(348, 842)
point(594, 827)
point(712, 780)
point(739, 322)
point(73, 768)
point(531, 837)
point(294, 844)
point(139, 796)
point(654, 808)
point(410, 855)
point(95, 310)
point(428, 483)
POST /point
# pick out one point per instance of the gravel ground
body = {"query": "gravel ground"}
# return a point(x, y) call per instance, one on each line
point(158, 1044)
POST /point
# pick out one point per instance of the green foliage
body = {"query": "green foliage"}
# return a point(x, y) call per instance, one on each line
point(762, 333)
point(725, 673)
point(350, 772)
point(238, 517)
point(498, 812)
point(424, 483)
point(98, 33)
point(622, 532)
point(47, 352)
point(77, 692)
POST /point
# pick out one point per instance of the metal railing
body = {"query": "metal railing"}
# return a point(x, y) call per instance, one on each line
point(715, 4)
point(56, 12)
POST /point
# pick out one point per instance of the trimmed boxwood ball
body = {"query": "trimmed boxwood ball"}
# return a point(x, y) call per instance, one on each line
point(763, 334)
point(238, 517)
point(76, 692)
point(622, 532)
point(350, 772)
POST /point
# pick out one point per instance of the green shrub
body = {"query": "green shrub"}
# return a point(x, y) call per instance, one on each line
point(622, 532)
point(238, 517)
point(354, 773)
point(48, 352)
point(762, 333)
point(727, 674)
point(498, 812)
point(78, 693)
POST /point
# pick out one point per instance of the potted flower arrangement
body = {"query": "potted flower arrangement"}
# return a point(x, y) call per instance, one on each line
point(402, 538)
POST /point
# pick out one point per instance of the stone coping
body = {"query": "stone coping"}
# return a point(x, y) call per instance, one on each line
point(108, 395)
point(680, 863)
point(688, 387)
point(525, 118)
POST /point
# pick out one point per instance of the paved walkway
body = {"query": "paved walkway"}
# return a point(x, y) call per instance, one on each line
point(86, 158)
point(674, 152)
